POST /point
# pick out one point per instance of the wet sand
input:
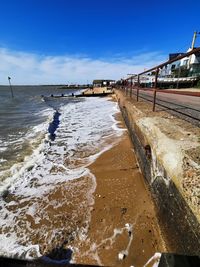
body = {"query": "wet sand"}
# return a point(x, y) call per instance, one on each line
point(123, 217)
point(120, 219)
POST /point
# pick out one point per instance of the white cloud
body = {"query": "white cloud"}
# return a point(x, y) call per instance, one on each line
point(29, 68)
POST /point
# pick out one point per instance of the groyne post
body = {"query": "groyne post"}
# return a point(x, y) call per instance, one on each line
point(11, 90)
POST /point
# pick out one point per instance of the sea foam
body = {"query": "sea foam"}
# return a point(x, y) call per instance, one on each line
point(86, 129)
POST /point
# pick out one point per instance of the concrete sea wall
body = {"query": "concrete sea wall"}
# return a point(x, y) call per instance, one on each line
point(165, 150)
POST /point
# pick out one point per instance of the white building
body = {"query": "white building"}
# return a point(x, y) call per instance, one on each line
point(192, 63)
point(186, 67)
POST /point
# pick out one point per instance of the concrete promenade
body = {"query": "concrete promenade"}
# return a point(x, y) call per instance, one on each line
point(184, 106)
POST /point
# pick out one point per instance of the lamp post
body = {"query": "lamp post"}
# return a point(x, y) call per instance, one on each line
point(11, 90)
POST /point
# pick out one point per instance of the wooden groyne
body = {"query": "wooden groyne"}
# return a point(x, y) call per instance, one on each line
point(89, 92)
point(94, 94)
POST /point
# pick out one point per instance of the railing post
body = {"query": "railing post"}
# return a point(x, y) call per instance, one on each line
point(155, 86)
point(138, 84)
point(131, 88)
point(126, 84)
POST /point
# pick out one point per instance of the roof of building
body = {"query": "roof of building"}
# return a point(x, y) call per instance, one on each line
point(174, 55)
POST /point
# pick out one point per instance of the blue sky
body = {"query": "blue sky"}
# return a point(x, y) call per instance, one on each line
point(41, 37)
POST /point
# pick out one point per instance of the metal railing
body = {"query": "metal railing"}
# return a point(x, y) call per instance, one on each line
point(128, 83)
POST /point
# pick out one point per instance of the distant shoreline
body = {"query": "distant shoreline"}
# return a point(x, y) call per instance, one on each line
point(59, 86)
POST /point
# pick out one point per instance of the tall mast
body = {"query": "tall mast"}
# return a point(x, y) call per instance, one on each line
point(194, 39)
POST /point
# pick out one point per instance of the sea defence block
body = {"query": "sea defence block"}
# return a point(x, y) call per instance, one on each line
point(168, 152)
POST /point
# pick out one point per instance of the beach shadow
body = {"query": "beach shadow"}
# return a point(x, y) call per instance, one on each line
point(59, 256)
point(52, 260)
point(54, 125)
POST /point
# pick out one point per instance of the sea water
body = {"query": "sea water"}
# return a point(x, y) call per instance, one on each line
point(46, 146)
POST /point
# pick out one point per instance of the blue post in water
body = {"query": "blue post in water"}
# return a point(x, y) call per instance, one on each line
point(10, 87)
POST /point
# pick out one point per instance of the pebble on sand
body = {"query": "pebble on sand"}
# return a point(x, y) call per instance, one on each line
point(121, 256)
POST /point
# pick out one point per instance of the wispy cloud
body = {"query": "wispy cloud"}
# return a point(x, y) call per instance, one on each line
point(30, 68)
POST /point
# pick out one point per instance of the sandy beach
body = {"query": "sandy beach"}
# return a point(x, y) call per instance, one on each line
point(123, 216)
point(104, 215)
